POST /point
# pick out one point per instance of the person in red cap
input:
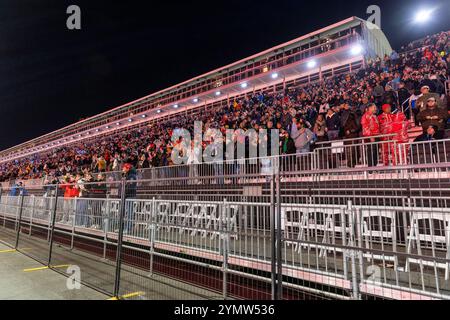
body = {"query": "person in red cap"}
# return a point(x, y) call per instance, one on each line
point(396, 125)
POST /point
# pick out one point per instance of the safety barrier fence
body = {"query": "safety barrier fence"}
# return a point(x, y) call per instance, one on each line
point(352, 239)
point(346, 154)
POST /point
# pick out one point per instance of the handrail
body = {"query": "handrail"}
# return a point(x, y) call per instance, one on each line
point(312, 156)
point(357, 139)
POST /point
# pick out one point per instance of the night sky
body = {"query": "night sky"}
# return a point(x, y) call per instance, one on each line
point(52, 77)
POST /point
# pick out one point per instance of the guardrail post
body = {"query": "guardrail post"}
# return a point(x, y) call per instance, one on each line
point(50, 206)
point(53, 226)
point(19, 222)
point(72, 239)
point(32, 213)
point(120, 237)
point(273, 239)
point(106, 222)
point(153, 221)
point(278, 240)
point(353, 233)
point(225, 245)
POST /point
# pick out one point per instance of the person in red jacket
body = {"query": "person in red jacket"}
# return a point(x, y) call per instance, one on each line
point(400, 127)
point(371, 129)
point(396, 125)
point(70, 191)
point(386, 120)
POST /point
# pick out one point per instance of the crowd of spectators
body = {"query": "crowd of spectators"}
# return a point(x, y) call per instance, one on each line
point(387, 95)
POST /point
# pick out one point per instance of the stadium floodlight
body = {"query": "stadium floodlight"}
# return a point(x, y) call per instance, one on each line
point(356, 49)
point(144, 116)
point(129, 120)
point(195, 100)
point(311, 64)
point(96, 130)
point(244, 85)
point(107, 127)
point(423, 16)
point(158, 111)
point(218, 93)
point(117, 123)
point(176, 106)
point(274, 75)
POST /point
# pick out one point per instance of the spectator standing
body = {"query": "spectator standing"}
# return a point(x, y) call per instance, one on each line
point(320, 128)
point(333, 123)
point(303, 138)
point(371, 129)
point(129, 173)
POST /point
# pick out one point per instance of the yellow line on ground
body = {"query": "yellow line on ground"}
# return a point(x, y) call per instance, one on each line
point(134, 294)
point(128, 295)
point(6, 251)
point(43, 268)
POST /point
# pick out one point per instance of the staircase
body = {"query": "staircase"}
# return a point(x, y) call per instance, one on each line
point(414, 132)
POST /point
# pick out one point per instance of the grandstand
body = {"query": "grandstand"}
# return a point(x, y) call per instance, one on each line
point(351, 216)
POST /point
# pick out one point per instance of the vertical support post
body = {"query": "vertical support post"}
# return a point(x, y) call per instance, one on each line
point(278, 239)
point(273, 239)
point(19, 222)
point(153, 221)
point(353, 230)
point(32, 213)
point(1, 202)
point(120, 237)
point(72, 238)
point(52, 230)
point(106, 225)
point(225, 242)
point(50, 206)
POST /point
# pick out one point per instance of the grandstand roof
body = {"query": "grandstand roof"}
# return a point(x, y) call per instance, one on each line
point(148, 101)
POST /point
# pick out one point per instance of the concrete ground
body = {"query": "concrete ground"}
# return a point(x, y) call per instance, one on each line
point(97, 272)
point(45, 284)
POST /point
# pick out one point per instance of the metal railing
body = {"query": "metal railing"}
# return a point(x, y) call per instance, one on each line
point(287, 238)
point(330, 155)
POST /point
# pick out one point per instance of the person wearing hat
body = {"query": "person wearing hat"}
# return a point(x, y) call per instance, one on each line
point(421, 103)
point(433, 116)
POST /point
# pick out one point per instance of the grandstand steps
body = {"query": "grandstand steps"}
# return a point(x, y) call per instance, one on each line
point(414, 132)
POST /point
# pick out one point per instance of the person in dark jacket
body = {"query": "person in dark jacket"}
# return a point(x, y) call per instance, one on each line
point(333, 122)
point(129, 173)
point(389, 97)
point(433, 116)
point(429, 135)
point(96, 189)
point(352, 128)
point(403, 97)
point(287, 144)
